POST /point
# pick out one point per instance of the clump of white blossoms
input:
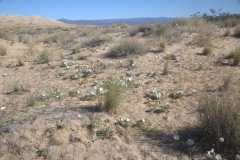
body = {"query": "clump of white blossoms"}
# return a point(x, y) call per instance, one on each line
point(156, 94)
point(212, 155)
point(190, 142)
point(99, 88)
point(124, 122)
point(237, 157)
point(176, 137)
point(89, 95)
point(61, 72)
point(66, 63)
point(177, 94)
point(43, 96)
point(218, 157)
point(75, 74)
point(126, 81)
point(85, 70)
point(140, 122)
point(221, 139)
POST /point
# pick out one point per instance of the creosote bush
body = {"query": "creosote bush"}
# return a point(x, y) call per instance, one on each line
point(127, 47)
point(3, 50)
point(219, 117)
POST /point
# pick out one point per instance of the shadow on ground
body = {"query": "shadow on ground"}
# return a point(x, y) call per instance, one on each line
point(165, 141)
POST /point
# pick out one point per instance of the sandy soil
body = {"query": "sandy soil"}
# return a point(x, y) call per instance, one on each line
point(62, 127)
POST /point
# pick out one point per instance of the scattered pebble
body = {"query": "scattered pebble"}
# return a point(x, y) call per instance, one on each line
point(3, 108)
point(4, 75)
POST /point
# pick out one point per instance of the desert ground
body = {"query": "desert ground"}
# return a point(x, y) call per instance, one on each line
point(52, 88)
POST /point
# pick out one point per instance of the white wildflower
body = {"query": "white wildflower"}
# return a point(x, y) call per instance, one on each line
point(3, 108)
point(176, 137)
point(101, 90)
point(158, 95)
point(210, 153)
point(190, 142)
point(130, 79)
point(218, 157)
point(179, 92)
point(237, 157)
point(221, 139)
point(154, 90)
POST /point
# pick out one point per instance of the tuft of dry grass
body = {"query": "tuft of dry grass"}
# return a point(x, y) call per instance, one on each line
point(94, 42)
point(166, 68)
point(227, 32)
point(207, 50)
point(113, 96)
point(31, 100)
point(3, 50)
point(237, 32)
point(127, 47)
point(77, 49)
point(50, 39)
point(219, 117)
point(236, 56)
point(161, 45)
point(144, 29)
point(44, 56)
point(16, 87)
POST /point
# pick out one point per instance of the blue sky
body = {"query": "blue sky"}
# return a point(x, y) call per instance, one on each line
point(108, 9)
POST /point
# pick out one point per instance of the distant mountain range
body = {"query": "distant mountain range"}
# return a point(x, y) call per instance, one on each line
point(116, 21)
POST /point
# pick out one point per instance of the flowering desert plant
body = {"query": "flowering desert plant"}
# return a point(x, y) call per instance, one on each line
point(105, 132)
point(85, 70)
point(176, 95)
point(124, 122)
